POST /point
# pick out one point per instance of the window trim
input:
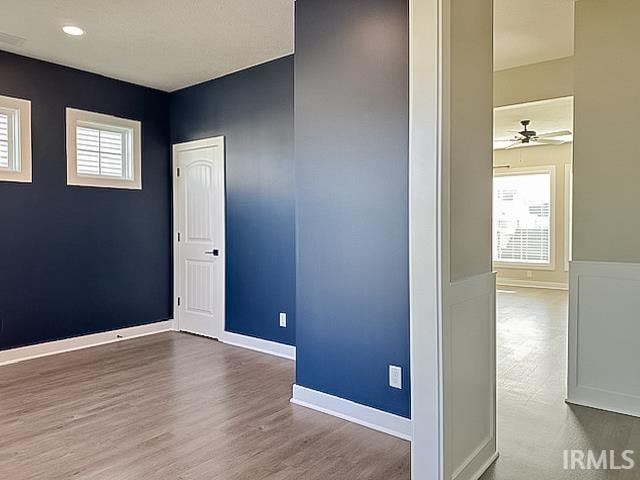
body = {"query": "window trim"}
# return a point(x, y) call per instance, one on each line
point(75, 117)
point(551, 265)
point(22, 108)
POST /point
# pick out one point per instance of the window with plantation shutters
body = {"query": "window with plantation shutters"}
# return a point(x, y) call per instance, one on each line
point(15, 140)
point(4, 140)
point(522, 218)
point(102, 150)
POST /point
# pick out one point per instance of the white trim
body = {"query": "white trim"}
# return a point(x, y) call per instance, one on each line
point(542, 169)
point(21, 354)
point(428, 57)
point(218, 141)
point(353, 412)
point(514, 282)
point(568, 213)
point(22, 111)
point(259, 345)
point(73, 117)
point(604, 299)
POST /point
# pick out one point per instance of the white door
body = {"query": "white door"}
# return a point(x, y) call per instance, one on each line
point(199, 236)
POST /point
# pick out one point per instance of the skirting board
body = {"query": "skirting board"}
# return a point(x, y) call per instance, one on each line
point(486, 466)
point(353, 412)
point(259, 345)
point(20, 354)
point(512, 282)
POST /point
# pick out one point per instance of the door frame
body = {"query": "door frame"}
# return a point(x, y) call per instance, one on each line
point(218, 141)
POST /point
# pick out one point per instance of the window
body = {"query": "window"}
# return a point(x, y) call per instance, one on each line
point(103, 151)
point(15, 140)
point(522, 212)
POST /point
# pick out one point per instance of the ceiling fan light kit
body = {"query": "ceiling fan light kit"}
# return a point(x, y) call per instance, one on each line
point(526, 137)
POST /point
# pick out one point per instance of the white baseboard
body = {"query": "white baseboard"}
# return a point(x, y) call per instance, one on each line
point(20, 354)
point(353, 412)
point(513, 282)
point(259, 345)
point(485, 466)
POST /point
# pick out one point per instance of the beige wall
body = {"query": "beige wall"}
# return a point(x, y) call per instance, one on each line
point(538, 81)
point(607, 146)
point(541, 156)
point(471, 96)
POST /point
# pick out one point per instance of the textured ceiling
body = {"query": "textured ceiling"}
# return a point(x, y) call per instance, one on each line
point(527, 31)
point(170, 44)
point(166, 44)
point(546, 116)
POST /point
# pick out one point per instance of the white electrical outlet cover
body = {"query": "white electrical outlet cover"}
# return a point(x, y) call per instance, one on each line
point(395, 376)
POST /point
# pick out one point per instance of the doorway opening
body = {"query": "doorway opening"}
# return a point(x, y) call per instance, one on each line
point(532, 161)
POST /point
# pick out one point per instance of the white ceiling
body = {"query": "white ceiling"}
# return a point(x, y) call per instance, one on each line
point(166, 44)
point(527, 31)
point(170, 44)
point(546, 116)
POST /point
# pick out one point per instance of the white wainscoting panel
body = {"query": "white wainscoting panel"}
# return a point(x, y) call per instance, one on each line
point(604, 336)
point(469, 366)
point(20, 354)
point(352, 412)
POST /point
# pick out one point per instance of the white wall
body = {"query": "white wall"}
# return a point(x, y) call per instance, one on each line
point(452, 286)
point(607, 150)
point(468, 293)
point(604, 349)
point(538, 81)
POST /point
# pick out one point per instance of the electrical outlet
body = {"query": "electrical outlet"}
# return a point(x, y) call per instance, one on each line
point(529, 274)
point(283, 320)
point(395, 376)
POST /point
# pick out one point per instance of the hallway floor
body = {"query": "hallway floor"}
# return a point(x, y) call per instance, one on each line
point(535, 425)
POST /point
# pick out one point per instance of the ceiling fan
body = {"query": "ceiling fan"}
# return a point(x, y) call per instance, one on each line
point(529, 137)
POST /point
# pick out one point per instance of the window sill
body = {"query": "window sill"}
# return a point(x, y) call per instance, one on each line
point(524, 266)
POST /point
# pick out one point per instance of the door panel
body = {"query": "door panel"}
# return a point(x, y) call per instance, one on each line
point(199, 207)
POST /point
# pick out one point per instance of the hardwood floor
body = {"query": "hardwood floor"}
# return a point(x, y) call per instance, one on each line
point(176, 406)
point(535, 425)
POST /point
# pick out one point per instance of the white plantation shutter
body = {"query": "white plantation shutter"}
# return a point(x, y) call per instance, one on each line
point(522, 218)
point(4, 140)
point(101, 152)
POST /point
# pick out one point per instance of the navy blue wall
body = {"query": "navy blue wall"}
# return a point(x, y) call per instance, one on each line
point(351, 124)
point(253, 109)
point(78, 260)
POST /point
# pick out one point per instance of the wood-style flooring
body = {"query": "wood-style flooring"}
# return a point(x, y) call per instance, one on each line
point(535, 425)
point(176, 406)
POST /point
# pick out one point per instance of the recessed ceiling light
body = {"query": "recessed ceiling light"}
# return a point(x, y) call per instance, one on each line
point(73, 30)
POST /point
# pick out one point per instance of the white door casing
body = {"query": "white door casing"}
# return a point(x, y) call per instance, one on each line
point(199, 236)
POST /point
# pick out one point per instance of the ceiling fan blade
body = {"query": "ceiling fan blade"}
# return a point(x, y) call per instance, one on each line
point(550, 141)
point(513, 145)
point(560, 133)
